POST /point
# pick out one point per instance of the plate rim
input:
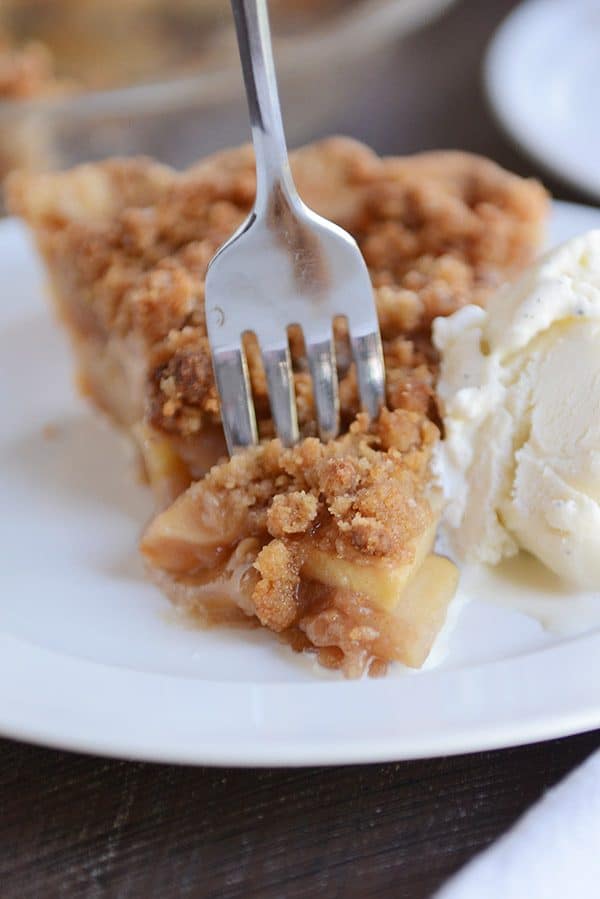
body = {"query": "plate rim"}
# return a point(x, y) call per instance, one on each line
point(267, 706)
point(66, 702)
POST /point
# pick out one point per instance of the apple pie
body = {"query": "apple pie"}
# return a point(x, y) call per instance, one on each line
point(330, 546)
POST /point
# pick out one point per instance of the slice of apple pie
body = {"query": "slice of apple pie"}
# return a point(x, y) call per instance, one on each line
point(329, 546)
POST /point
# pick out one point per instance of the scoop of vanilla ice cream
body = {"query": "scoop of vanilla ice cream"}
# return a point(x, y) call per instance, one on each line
point(519, 389)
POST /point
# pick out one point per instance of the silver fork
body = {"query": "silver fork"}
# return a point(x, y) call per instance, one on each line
point(285, 265)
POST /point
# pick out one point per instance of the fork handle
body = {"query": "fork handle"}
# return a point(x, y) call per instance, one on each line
point(256, 54)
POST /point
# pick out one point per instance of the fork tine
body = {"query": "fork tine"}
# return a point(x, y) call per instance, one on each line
point(321, 360)
point(237, 407)
point(278, 367)
point(368, 356)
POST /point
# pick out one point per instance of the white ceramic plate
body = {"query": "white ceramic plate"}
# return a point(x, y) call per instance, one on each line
point(93, 658)
point(542, 73)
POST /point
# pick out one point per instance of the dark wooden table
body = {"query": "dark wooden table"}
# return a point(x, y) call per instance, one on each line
point(72, 826)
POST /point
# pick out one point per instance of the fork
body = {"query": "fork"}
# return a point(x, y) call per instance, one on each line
point(284, 266)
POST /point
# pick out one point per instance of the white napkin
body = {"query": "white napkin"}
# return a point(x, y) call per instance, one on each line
point(552, 851)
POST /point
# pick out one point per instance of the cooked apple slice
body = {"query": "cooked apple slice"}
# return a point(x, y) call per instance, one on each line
point(382, 582)
point(167, 473)
point(194, 532)
point(421, 609)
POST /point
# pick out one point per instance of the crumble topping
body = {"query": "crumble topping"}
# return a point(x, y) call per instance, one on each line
point(362, 492)
point(437, 231)
point(291, 513)
point(276, 597)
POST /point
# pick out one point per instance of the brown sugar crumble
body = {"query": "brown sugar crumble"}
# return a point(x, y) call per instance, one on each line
point(437, 231)
point(294, 538)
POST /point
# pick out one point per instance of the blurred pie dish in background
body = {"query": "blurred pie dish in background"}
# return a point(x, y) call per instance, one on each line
point(86, 37)
point(82, 79)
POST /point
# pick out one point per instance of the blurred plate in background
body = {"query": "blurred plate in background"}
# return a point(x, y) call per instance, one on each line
point(542, 73)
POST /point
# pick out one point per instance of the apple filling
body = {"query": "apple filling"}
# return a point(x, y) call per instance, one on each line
point(329, 546)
